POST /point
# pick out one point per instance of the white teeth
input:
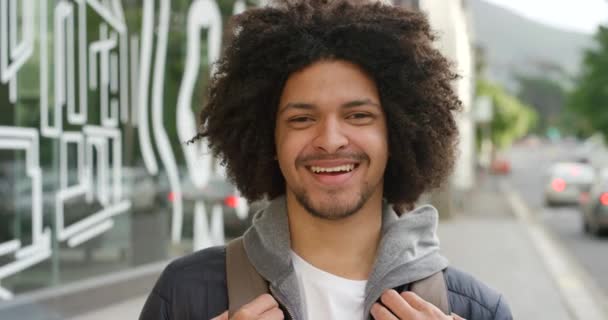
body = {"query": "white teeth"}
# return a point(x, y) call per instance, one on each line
point(344, 168)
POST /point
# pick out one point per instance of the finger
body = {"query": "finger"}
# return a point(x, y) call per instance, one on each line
point(380, 312)
point(258, 306)
point(223, 316)
point(456, 317)
point(395, 303)
point(417, 303)
point(272, 314)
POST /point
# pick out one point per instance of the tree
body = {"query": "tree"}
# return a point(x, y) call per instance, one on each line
point(589, 99)
point(512, 118)
point(546, 96)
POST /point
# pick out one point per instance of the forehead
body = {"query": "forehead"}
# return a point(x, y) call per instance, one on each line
point(329, 82)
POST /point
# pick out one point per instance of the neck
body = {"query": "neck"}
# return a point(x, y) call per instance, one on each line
point(345, 247)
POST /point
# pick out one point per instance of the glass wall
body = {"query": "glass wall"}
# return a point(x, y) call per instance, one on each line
point(97, 101)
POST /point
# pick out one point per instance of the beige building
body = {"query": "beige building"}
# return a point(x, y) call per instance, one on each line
point(451, 21)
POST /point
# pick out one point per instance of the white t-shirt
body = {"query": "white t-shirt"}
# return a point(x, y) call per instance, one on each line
point(326, 296)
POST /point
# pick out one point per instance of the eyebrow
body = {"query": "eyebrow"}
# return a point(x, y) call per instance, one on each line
point(310, 106)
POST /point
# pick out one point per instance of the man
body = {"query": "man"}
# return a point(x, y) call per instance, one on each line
point(340, 113)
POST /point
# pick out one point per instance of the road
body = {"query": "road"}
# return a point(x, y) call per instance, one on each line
point(564, 223)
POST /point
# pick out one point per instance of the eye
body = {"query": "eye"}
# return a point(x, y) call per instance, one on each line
point(360, 117)
point(300, 122)
point(300, 119)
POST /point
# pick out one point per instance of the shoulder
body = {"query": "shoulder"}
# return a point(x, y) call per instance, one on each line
point(204, 265)
point(198, 268)
point(472, 299)
point(191, 287)
point(207, 265)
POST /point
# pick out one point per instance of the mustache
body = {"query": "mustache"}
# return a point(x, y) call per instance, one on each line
point(354, 156)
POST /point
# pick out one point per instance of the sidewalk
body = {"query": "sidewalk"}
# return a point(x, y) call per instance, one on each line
point(490, 243)
point(494, 241)
point(498, 243)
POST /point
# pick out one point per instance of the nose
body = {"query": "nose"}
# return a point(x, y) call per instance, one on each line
point(330, 136)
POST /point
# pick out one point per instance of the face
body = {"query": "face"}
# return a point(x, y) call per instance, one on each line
point(331, 139)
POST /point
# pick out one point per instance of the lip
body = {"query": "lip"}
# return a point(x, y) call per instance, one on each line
point(332, 180)
point(329, 163)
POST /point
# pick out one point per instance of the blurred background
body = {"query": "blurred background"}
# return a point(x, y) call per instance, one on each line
point(99, 187)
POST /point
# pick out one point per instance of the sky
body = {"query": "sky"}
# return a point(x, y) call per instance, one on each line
point(576, 15)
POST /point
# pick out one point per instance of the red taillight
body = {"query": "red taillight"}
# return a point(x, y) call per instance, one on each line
point(171, 196)
point(231, 201)
point(558, 185)
point(604, 199)
point(575, 171)
point(584, 197)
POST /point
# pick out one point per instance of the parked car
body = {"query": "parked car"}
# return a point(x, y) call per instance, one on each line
point(566, 181)
point(500, 166)
point(592, 151)
point(594, 206)
point(217, 191)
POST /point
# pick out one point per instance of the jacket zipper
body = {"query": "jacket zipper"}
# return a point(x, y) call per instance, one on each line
point(289, 313)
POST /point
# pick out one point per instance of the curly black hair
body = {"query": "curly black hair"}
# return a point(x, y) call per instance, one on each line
point(393, 45)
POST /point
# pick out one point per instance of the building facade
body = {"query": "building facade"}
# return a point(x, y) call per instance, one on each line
point(97, 102)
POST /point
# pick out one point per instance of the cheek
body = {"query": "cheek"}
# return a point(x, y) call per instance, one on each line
point(378, 148)
point(288, 148)
point(376, 143)
point(380, 153)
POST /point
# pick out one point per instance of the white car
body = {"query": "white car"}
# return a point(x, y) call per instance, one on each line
point(594, 205)
point(566, 181)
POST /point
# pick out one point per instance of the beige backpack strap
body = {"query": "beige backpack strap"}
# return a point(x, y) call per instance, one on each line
point(243, 281)
point(433, 290)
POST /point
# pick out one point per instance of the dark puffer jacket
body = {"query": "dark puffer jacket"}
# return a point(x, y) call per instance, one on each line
point(194, 288)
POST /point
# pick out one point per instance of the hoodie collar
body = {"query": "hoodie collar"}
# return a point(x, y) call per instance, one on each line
point(408, 251)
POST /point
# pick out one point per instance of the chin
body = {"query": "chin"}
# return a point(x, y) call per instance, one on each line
point(332, 207)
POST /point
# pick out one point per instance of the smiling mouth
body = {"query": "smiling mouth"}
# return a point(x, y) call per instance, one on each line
point(337, 170)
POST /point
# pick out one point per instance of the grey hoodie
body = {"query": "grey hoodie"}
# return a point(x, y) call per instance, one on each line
point(409, 251)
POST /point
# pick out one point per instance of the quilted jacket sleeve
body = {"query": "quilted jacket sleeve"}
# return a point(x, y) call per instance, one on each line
point(190, 288)
point(155, 308)
point(502, 312)
point(158, 305)
point(472, 299)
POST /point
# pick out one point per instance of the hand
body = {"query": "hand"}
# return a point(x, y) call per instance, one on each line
point(264, 307)
point(407, 306)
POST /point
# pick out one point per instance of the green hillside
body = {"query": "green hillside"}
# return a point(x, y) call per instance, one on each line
point(513, 43)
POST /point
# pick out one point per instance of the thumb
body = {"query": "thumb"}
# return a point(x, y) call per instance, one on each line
point(223, 316)
point(456, 317)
